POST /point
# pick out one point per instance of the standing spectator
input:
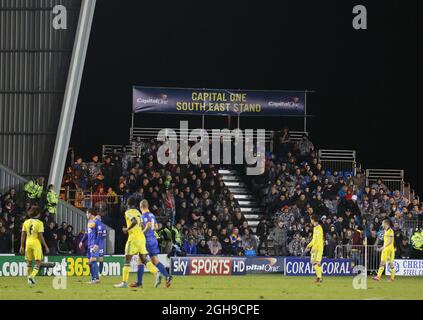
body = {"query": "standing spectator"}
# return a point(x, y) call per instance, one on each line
point(52, 200)
point(263, 232)
point(5, 241)
point(280, 238)
point(404, 249)
point(296, 247)
point(51, 237)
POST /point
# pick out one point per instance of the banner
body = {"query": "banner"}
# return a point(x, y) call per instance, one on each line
point(301, 266)
point(218, 102)
point(265, 265)
point(15, 266)
point(207, 266)
point(410, 268)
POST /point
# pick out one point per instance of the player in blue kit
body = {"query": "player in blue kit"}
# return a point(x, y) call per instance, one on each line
point(94, 235)
point(150, 226)
point(102, 244)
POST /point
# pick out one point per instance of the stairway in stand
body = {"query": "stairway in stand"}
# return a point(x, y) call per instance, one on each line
point(249, 206)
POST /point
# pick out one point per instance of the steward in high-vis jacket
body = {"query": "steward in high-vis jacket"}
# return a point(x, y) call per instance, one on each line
point(34, 188)
point(52, 200)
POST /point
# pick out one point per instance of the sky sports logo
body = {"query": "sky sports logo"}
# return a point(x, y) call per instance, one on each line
point(207, 266)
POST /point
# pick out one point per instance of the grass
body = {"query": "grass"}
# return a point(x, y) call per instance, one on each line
point(252, 287)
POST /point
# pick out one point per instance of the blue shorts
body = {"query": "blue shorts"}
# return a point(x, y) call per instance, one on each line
point(98, 254)
point(153, 247)
point(92, 254)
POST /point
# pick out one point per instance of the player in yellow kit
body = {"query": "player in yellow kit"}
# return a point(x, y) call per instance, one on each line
point(31, 240)
point(316, 246)
point(136, 244)
point(388, 251)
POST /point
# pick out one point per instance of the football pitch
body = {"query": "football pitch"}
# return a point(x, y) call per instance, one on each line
point(251, 287)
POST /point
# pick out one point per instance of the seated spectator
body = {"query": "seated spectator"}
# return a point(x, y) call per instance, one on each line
point(214, 246)
point(190, 248)
point(203, 248)
point(249, 242)
point(63, 245)
point(236, 242)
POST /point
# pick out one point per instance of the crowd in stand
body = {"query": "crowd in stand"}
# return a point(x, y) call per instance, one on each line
point(13, 212)
point(295, 186)
point(199, 215)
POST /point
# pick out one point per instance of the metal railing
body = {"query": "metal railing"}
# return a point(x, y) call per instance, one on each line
point(338, 160)
point(88, 200)
point(109, 149)
point(357, 254)
point(151, 133)
point(409, 227)
point(392, 178)
point(65, 212)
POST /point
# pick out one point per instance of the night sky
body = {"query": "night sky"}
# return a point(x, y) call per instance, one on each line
point(366, 81)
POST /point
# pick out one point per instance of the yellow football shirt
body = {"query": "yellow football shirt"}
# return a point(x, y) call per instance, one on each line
point(317, 241)
point(136, 232)
point(389, 236)
point(33, 227)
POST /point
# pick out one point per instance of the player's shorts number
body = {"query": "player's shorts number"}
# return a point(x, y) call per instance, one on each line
point(78, 267)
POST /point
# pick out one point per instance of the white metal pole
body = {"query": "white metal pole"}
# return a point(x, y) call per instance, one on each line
point(365, 254)
point(70, 98)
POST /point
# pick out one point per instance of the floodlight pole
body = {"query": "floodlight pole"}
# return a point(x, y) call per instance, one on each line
point(70, 98)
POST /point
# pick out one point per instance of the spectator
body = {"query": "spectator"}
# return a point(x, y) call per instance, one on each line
point(296, 246)
point(263, 233)
point(190, 247)
point(249, 243)
point(203, 248)
point(279, 236)
point(236, 242)
point(63, 245)
point(5, 241)
point(214, 246)
point(51, 237)
point(404, 249)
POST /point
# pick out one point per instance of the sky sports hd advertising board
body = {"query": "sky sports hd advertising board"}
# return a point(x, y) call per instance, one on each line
point(301, 266)
point(208, 266)
point(218, 102)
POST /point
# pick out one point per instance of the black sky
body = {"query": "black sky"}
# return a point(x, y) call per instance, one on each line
point(367, 83)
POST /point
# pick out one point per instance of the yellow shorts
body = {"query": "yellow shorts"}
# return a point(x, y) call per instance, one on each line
point(388, 255)
point(33, 251)
point(137, 246)
point(316, 256)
